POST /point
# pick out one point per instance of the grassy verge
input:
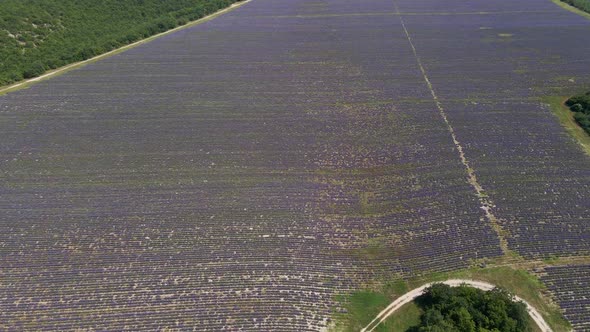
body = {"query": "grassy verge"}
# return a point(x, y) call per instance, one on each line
point(566, 118)
point(406, 317)
point(363, 306)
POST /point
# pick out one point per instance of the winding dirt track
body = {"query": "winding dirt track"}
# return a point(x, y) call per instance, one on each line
point(413, 294)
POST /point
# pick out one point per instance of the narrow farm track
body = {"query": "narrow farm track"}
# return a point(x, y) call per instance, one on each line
point(240, 173)
point(485, 204)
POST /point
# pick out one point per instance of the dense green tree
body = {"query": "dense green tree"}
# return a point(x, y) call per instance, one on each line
point(466, 309)
point(580, 105)
point(580, 4)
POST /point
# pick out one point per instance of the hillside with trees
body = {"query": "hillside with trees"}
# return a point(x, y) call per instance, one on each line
point(36, 36)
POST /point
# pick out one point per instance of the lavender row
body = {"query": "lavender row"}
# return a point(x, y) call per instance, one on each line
point(570, 284)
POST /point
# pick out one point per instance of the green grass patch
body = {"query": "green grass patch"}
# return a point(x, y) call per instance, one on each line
point(406, 317)
point(361, 308)
point(566, 118)
point(380, 294)
point(375, 250)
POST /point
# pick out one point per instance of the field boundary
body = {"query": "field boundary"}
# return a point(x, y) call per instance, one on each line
point(566, 119)
point(26, 83)
point(415, 293)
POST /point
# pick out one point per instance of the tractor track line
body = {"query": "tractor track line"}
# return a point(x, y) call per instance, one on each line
point(485, 202)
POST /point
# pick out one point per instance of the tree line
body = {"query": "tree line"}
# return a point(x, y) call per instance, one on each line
point(40, 35)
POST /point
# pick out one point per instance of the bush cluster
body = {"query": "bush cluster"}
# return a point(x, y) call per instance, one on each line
point(580, 105)
point(36, 36)
point(467, 309)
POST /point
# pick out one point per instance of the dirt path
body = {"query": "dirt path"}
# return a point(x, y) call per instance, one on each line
point(411, 295)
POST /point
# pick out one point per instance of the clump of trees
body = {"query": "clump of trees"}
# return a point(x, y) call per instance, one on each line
point(580, 105)
point(467, 309)
point(36, 36)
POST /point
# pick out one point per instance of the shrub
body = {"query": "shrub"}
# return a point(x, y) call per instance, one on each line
point(580, 105)
point(466, 309)
point(36, 69)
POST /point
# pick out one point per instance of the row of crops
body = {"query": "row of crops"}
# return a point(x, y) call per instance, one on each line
point(570, 283)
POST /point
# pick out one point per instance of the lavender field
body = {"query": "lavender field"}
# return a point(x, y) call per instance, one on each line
point(241, 173)
point(572, 286)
